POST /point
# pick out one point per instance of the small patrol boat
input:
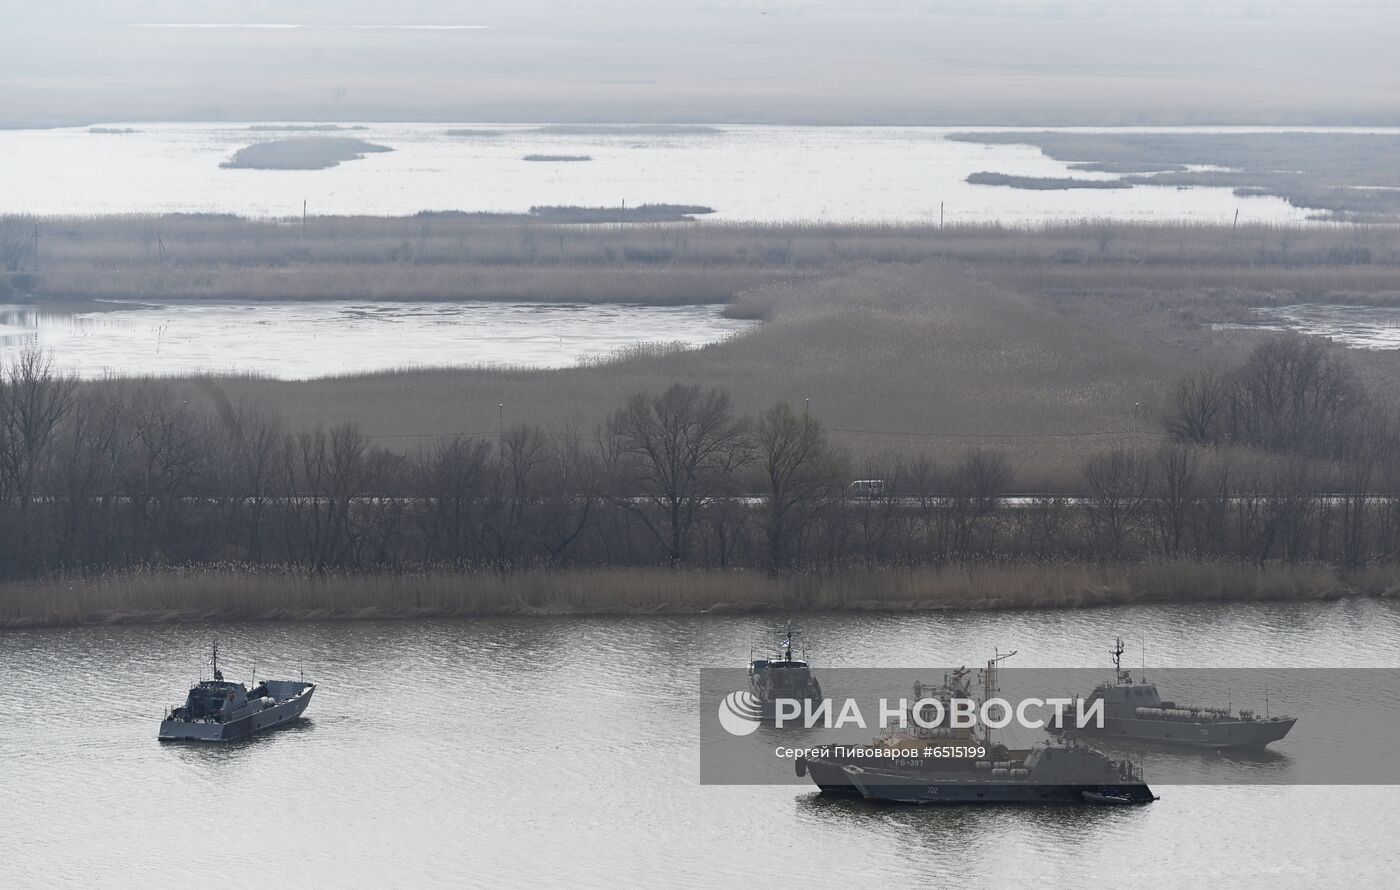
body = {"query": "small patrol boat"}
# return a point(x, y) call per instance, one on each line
point(779, 674)
point(1134, 711)
point(218, 710)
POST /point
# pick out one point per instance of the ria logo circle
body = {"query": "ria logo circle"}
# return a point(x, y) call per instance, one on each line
point(740, 713)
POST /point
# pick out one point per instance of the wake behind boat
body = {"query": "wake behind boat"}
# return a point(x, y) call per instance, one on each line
point(219, 711)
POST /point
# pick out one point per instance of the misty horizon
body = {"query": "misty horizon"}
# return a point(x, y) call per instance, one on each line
point(940, 63)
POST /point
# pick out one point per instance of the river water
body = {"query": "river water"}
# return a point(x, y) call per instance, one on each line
point(1361, 327)
point(747, 173)
point(517, 751)
point(301, 340)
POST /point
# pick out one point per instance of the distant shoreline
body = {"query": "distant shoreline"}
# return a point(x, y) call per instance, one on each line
point(195, 594)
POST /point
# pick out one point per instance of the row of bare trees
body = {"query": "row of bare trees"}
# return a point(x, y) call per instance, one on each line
point(1292, 394)
point(111, 475)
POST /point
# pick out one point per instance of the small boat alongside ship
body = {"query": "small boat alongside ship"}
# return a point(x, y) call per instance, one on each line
point(1134, 711)
point(219, 710)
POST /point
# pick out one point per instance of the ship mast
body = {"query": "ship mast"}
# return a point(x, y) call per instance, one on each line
point(1117, 653)
point(990, 688)
point(215, 662)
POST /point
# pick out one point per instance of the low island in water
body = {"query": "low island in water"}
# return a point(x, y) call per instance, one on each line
point(301, 153)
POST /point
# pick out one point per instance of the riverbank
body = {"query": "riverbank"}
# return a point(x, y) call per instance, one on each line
point(224, 594)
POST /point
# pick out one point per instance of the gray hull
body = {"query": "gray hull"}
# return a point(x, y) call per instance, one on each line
point(1215, 735)
point(828, 774)
point(248, 721)
point(894, 789)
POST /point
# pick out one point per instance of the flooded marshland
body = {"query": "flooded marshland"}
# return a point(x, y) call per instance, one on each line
point(1360, 327)
point(301, 340)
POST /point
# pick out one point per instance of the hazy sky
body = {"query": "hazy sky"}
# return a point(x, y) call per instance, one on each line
point(887, 61)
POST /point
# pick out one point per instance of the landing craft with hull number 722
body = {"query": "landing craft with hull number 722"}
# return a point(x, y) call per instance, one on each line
point(944, 765)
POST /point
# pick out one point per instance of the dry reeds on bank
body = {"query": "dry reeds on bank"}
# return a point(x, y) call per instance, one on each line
point(230, 593)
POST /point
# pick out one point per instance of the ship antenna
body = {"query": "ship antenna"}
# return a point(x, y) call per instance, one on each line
point(990, 685)
point(1117, 654)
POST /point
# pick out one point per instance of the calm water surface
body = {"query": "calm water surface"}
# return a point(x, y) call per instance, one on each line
point(511, 752)
point(299, 340)
point(755, 173)
point(1363, 327)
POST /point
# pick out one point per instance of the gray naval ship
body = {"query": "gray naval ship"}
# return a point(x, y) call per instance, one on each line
point(220, 711)
point(1134, 711)
point(957, 746)
point(946, 765)
point(1050, 773)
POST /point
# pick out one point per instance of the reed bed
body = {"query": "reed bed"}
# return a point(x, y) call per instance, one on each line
point(929, 358)
point(456, 256)
point(1036, 341)
point(201, 593)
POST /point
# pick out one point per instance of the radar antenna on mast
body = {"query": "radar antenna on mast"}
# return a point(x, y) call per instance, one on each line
point(1117, 653)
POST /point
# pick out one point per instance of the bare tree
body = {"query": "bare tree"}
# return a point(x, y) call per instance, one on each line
point(1363, 454)
point(570, 491)
point(253, 448)
point(164, 460)
point(33, 401)
point(452, 481)
point(1290, 507)
point(89, 451)
point(975, 489)
point(1196, 407)
point(1175, 494)
point(1293, 394)
point(522, 463)
point(676, 450)
point(325, 473)
point(875, 515)
point(1116, 484)
point(801, 475)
